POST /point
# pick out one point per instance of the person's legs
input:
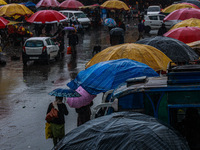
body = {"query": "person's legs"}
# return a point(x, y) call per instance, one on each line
point(55, 141)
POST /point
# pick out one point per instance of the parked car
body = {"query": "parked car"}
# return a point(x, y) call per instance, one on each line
point(152, 10)
point(40, 49)
point(155, 22)
point(80, 15)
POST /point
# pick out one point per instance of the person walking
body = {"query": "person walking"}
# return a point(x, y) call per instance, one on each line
point(140, 29)
point(84, 114)
point(73, 41)
point(162, 30)
point(57, 124)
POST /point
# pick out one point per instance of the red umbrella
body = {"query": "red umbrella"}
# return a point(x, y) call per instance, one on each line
point(183, 14)
point(195, 6)
point(47, 3)
point(70, 4)
point(46, 16)
point(185, 34)
point(3, 22)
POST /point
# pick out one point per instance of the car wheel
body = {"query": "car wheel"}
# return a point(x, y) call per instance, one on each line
point(147, 29)
point(58, 56)
point(48, 60)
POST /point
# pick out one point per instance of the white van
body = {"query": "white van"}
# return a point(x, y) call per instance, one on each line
point(152, 10)
point(80, 15)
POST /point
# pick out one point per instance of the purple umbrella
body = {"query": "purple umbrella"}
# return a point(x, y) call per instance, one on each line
point(69, 28)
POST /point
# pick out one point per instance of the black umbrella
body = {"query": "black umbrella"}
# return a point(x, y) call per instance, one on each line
point(176, 50)
point(122, 131)
point(117, 31)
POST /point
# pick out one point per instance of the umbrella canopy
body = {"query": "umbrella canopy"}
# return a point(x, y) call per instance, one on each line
point(3, 22)
point(69, 28)
point(47, 16)
point(90, 6)
point(195, 2)
point(59, 92)
point(125, 131)
point(146, 54)
point(192, 22)
point(110, 22)
point(29, 4)
point(10, 10)
point(174, 7)
point(115, 4)
point(183, 14)
point(185, 34)
point(176, 50)
point(2, 2)
point(47, 3)
point(70, 4)
point(107, 75)
point(117, 31)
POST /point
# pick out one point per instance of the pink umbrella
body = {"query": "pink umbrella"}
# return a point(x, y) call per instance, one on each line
point(185, 34)
point(47, 3)
point(183, 14)
point(70, 4)
point(46, 16)
point(3, 22)
point(77, 102)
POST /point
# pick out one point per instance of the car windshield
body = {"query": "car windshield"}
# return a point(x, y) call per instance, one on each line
point(80, 15)
point(153, 9)
point(34, 43)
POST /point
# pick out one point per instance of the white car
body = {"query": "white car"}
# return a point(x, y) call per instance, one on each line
point(40, 49)
point(152, 10)
point(152, 22)
point(80, 15)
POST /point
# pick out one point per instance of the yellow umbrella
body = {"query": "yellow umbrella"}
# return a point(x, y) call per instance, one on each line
point(174, 7)
point(192, 22)
point(146, 54)
point(115, 4)
point(10, 10)
point(2, 2)
point(195, 46)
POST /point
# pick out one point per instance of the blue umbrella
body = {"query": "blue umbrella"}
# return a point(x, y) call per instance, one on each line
point(29, 4)
point(109, 22)
point(64, 93)
point(107, 75)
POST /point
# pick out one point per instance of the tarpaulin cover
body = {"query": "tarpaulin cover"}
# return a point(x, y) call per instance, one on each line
point(176, 50)
point(83, 100)
point(123, 131)
point(107, 75)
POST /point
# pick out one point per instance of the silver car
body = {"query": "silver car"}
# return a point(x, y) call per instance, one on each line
point(40, 49)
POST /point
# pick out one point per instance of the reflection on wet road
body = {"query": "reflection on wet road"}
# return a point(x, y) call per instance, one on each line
point(24, 91)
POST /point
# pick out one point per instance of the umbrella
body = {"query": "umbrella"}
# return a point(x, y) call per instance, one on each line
point(185, 34)
point(69, 28)
point(109, 22)
point(70, 4)
point(64, 93)
point(195, 2)
point(85, 99)
point(192, 22)
point(46, 16)
point(90, 6)
point(176, 50)
point(115, 4)
point(2, 2)
point(29, 4)
point(174, 7)
point(117, 31)
point(123, 131)
point(183, 14)
point(10, 10)
point(3, 22)
point(47, 3)
point(107, 75)
point(146, 54)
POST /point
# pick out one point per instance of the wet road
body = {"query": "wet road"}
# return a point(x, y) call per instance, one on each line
point(23, 92)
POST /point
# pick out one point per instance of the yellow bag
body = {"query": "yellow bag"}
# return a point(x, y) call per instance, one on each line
point(48, 132)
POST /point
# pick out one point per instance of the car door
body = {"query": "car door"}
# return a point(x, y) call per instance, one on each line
point(55, 48)
point(49, 48)
point(155, 23)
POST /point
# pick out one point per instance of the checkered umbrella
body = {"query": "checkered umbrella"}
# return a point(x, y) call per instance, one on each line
point(64, 93)
point(123, 131)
